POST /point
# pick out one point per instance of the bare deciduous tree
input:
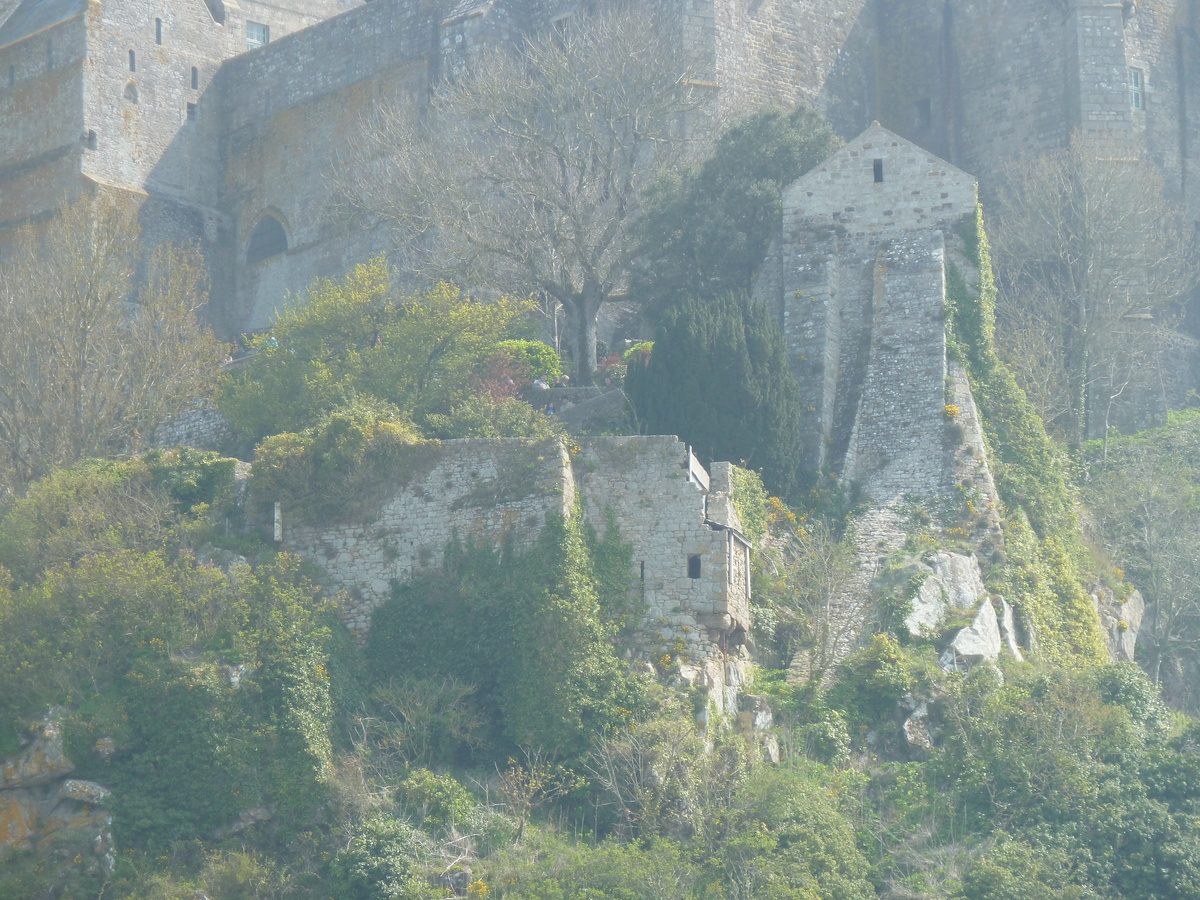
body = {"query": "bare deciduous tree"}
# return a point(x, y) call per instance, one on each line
point(1147, 505)
point(1086, 238)
point(525, 174)
point(89, 364)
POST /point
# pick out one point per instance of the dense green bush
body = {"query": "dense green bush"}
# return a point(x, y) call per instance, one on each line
point(529, 629)
point(354, 340)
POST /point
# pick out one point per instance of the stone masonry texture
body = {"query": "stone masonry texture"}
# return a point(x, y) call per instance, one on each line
point(690, 559)
point(214, 136)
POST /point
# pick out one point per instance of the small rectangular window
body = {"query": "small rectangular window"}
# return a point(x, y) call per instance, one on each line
point(694, 566)
point(158, 31)
point(1137, 89)
point(257, 34)
point(195, 78)
point(878, 169)
point(93, 142)
point(132, 61)
point(191, 112)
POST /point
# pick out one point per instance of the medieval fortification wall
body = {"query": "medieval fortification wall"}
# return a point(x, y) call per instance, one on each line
point(690, 571)
point(218, 137)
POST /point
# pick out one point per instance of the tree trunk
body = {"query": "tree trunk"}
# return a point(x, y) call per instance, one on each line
point(581, 329)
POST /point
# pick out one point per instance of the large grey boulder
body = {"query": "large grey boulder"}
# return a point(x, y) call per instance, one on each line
point(978, 642)
point(42, 759)
point(954, 581)
point(1008, 630)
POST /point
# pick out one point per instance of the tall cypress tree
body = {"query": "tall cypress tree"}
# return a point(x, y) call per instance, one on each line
point(718, 377)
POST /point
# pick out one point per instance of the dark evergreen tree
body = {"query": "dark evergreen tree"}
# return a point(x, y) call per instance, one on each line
point(718, 377)
point(704, 233)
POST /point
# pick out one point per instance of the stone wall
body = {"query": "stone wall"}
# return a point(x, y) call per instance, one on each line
point(203, 428)
point(690, 559)
point(41, 118)
point(896, 446)
point(835, 280)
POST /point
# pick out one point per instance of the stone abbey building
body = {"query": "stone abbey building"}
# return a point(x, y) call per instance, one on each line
point(227, 116)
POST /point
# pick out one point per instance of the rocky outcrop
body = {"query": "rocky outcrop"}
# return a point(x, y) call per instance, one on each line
point(1121, 620)
point(978, 642)
point(41, 761)
point(952, 582)
point(43, 810)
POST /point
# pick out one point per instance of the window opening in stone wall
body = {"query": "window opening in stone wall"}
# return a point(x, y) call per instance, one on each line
point(131, 92)
point(158, 31)
point(1137, 89)
point(268, 239)
point(93, 142)
point(191, 113)
point(216, 9)
point(132, 61)
point(878, 168)
point(643, 573)
point(257, 34)
point(195, 78)
point(694, 566)
point(924, 113)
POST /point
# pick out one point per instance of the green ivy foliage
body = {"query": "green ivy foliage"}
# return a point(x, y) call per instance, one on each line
point(1044, 546)
point(532, 630)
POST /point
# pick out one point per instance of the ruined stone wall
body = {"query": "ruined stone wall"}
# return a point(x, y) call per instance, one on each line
point(495, 491)
point(42, 134)
point(690, 560)
point(690, 563)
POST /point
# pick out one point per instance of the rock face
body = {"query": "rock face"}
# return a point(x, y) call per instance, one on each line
point(1122, 621)
point(43, 810)
point(42, 760)
point(953, 581)
point(979, 642)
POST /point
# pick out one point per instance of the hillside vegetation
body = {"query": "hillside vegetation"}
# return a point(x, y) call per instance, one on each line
point(495, 733)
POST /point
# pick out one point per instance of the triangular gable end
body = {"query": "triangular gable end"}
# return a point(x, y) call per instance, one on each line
point(880, 180)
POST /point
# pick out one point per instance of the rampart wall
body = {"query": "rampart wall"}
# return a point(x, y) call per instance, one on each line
point(690, 560)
